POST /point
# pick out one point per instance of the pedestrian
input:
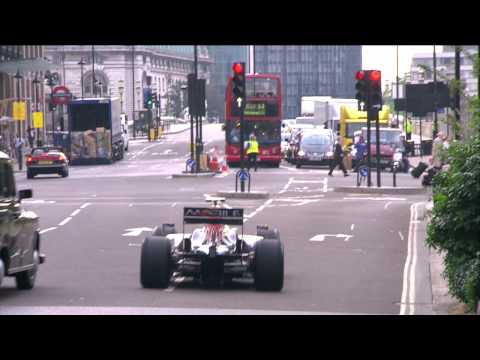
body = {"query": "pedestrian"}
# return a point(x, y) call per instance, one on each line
point(31, 136)
point(361, 150)
point(19, 151)
point(408, 129)
point(252, 151)
point(438, 147)
point(337, 159)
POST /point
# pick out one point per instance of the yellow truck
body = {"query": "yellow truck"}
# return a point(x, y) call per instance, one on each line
point(352, 120)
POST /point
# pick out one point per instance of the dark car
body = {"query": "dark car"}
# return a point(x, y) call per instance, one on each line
point(47, 160)
point(314, 148)
point(19, 238)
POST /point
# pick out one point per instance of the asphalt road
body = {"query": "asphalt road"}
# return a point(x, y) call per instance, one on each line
point(344, 253)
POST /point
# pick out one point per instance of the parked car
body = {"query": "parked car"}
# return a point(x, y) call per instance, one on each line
point(314, 147)
point(20, 254)
point(47, 160)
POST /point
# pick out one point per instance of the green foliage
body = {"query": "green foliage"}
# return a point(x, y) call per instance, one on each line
point(455, 224)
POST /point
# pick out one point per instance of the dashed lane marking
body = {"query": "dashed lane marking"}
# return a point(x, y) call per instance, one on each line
point(65, 221)
point(47, 230)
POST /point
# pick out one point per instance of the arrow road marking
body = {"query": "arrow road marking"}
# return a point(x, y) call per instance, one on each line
point(321, 237)
point(136, 231)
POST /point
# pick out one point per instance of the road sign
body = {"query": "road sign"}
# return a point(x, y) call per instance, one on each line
point(19, 110)
point(61, 95)
point(38, 120)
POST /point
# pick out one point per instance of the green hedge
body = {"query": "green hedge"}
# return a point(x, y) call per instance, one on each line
point(455, 224)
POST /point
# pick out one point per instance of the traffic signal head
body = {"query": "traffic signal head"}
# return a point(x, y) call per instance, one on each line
point(238, 83)
point(375, 77)
point(147, 98)
point(361, 87)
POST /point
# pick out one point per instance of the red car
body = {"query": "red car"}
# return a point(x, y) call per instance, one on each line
point(47, 160)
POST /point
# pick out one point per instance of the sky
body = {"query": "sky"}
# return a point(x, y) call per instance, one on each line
point(384, 58)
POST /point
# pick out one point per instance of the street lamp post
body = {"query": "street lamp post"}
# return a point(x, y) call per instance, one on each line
point(81, 63)
point(138, 97)
point(18, 77)
point(36, 82)
point(120, 92)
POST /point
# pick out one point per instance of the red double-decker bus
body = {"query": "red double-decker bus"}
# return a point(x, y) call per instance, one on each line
point(262, 117)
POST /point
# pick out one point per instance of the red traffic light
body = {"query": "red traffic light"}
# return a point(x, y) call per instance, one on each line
point(375, 75)
point(360, 75)
point(238, 68)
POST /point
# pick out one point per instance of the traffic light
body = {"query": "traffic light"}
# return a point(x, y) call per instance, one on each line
point(147, 98)
point(362, 88)
point(153, 99)
point(238, 83)
point(375, 82)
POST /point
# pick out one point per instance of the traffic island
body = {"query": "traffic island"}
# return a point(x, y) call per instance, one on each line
point(186, 174)
point(243, 195)
point(390, 190)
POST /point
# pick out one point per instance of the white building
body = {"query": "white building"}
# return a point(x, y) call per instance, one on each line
point(117, 75)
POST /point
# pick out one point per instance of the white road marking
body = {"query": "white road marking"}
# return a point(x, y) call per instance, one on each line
point(255, 212)
point(401, 235)
point(134, 244)
point(374, 198)
point(387, 205)
point(321, 237)
point(325, 182)
point(65, 221)
point(413, 267)
point(352, 227)
point(136, 231)
point(173, 205)
point(85, 205)
point(38, 202)
point(410, 262)
point(286, 185)
point(130, 205)
point(75, 212)
point(47, 230)
point(226, 206)
point(288, 168)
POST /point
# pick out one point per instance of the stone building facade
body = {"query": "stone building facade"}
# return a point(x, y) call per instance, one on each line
point(122, 70)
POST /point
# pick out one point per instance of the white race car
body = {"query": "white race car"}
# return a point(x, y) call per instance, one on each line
point(214, 252)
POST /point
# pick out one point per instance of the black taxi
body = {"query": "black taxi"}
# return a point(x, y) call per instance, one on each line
point(20, 254)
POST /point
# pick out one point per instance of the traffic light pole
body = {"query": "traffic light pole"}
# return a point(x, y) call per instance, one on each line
point(377, 142)
point(242, 150)
point(369, 153)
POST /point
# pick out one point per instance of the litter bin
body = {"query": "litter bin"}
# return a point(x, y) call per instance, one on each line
point(427, 147)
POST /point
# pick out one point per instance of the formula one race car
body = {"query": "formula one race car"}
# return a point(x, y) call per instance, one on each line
point(213, 253)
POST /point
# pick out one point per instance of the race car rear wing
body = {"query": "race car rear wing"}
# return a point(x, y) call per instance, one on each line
point(212, 216)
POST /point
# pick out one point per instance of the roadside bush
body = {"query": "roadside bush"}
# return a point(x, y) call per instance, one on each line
point(455, 223)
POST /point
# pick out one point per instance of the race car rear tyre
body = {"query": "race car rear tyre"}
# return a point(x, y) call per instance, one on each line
point(64, 173)
point(30, 174)
point(164, 230)
point(269, 265)
point(156, 262)
point(268, 233)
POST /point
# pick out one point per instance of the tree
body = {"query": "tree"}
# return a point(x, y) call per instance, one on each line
point(455, 223)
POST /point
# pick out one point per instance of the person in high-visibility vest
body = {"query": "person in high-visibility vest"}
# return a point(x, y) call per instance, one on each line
point(408, 129)
point(252, 151)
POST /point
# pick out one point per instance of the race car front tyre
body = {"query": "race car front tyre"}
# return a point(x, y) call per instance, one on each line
point(30, 174)
point(269, 265)
point(164, 230)
point(155, 262)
